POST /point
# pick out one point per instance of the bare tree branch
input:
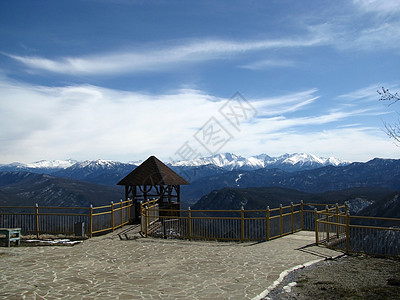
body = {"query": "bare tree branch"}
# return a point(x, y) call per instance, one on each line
point(386, 95)
point(392, 130)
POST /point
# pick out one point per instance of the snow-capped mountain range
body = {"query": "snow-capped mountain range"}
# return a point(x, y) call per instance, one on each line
point(227, 161)
point(296, 161)
point(65, 164)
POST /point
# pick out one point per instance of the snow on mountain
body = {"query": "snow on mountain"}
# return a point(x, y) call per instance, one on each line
point(51, 164)
point(223, 160)
point(98, 164)
point(227, 161)
point(307, 159)
point(231, 161)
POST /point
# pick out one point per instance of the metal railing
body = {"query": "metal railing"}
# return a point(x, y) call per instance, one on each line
point(62, 220)
point(357, 234)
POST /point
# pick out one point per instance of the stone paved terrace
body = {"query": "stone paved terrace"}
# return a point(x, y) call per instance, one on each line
point(109, 268)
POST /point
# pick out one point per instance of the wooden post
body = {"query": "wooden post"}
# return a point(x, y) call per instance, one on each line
point(327, 220)
point(37, 219)
point(337, 220)
point(189, 224)
point(122, 212)
point(91, 221)
point(146, 212)
point(242, 224)
point(141, 216)
point(347, 233)
point(112, 215)
point(292, 215)
point(302, 214)
point(316, 226)
point(268, 223)
point(128, 207)
point(280, 220)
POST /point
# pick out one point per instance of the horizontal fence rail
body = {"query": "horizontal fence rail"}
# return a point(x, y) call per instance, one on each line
point(358, 234)
point(333, 225)
point(38, 220)
point(223, 225)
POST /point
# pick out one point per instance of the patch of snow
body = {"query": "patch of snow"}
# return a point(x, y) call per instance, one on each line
point(59, 241)
point(238, 178)
point(47, 164)
point(288, 288)
point(358, 204)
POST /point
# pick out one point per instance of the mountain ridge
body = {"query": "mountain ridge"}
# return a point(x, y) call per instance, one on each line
point(288, 162)
point(375, 173)
point(228, 161)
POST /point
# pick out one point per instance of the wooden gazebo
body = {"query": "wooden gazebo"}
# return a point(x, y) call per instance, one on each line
point(153, 180)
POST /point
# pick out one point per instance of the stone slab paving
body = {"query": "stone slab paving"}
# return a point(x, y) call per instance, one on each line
point(146, 268)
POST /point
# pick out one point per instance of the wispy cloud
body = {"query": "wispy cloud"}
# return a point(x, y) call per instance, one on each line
point(377, 6)
point(283, 104)
point(268, 64)
point(156, 59)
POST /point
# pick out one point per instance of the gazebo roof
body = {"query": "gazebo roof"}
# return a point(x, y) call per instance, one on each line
point(152, 172)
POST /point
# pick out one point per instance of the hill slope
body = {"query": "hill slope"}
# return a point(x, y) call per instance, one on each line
point(260, 198)
point(384, 173)
point(21, 188)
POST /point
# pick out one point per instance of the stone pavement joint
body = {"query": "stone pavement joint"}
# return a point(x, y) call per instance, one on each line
point(106, 267)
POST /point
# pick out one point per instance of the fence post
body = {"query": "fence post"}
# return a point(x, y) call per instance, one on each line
point(146, 212)
point(280, 220)
point(141, 216)
point(347, 233)
point(122, 214)
point(337, 220)
point(37, 219)
point(292, 215)
point(302, 214)
point(316, 226)
point(268, 225)
point(128, 207)
point(91, 220)
point(327, 224)
point(242, 224)
point(112, 215)
point(189, 224)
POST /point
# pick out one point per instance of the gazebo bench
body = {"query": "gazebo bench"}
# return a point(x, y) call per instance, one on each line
point(11, 235)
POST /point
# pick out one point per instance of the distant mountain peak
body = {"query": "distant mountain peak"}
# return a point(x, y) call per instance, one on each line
point(99, 164)
point(287, 161)
point(51, 164)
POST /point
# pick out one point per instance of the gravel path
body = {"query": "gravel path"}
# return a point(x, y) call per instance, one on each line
point(348, 277)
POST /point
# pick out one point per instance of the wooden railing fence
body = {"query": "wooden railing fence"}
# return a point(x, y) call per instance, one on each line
point(63, 220)
point(333, 226)
point(357, 234)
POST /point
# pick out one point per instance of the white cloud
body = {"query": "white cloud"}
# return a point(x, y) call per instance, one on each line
point(89, 122)
point(267, 64)
point(378, 6)
point(352, 144)
point(367, 93)
point(159, 58)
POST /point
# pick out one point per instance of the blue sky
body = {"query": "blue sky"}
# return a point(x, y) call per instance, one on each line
point(122, 80)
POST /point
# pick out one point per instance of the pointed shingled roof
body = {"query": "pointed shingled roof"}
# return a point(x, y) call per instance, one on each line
point(152, 172)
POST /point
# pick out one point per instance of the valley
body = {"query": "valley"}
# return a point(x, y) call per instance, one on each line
point(223, 181)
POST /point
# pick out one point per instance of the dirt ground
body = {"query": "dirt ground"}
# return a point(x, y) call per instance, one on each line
point(347, 277)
